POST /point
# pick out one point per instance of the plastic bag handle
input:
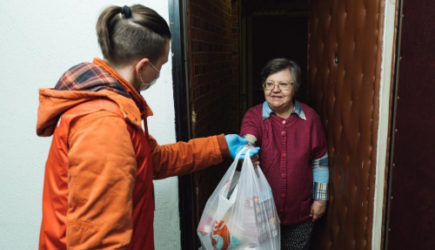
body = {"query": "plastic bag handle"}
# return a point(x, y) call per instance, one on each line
point(225, 203)
point(241, 152)
point(248, 153)
point(247, 160)
point(233, 166)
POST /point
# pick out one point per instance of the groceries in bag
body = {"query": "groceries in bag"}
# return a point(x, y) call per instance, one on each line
point(241, 213)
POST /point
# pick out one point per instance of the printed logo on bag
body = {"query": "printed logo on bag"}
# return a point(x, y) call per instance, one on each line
point(221, 238)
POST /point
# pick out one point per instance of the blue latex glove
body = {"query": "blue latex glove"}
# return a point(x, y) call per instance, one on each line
point(236, 143)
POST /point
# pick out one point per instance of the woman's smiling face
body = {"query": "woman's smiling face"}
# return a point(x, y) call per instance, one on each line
point(279, 91)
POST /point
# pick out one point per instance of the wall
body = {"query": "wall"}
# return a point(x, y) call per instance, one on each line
point(40, 40)
point(213, 31)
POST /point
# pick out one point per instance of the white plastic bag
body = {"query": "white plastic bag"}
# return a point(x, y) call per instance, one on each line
point(241, 213)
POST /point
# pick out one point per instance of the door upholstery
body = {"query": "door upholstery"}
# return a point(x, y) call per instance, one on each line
point(412, 206)
point(344, 57)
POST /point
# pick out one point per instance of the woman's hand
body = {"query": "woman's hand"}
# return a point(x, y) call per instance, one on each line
point(256, 160)
point(317, 210)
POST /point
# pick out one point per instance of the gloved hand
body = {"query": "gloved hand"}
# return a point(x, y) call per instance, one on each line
point(236, 143)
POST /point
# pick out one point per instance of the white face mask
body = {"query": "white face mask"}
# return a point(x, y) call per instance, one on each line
point(144, 86)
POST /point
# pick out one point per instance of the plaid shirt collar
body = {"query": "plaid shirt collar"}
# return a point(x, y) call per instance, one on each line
point(97, 76)
point(297, 109)
point(89, 77)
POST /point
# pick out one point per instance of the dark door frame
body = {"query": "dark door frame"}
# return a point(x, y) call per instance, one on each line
point(187, 208)
point(394, 91)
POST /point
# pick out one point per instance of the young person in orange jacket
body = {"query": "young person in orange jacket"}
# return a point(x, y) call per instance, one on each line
point(98, 190)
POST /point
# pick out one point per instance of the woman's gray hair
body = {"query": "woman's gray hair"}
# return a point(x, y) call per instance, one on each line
point(278, 64)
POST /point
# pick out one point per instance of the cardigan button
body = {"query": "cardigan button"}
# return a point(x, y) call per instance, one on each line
point(282, 155)
point(283, 175)
point(282, 195)
point(283, 133)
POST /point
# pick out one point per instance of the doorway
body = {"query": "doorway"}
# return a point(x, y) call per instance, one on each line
point(272, 29)
point(338, 45)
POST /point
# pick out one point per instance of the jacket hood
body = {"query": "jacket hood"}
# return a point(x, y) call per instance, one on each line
point(53, 103)
point(85, 82)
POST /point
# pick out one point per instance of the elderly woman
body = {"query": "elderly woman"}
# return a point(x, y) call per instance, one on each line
point(294, 154)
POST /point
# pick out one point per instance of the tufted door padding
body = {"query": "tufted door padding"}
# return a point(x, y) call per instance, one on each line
point(344, 56)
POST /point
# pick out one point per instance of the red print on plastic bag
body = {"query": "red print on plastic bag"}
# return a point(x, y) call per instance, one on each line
point(220, 237)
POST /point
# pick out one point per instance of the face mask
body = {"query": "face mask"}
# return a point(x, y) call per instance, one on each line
point(144, 86)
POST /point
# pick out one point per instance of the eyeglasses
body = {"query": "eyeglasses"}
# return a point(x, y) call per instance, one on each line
point(281, 85)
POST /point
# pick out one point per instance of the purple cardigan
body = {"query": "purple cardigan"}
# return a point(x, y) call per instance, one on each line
point(288, 147)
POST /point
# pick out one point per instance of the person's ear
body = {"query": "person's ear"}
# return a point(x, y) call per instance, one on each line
point(141, 64)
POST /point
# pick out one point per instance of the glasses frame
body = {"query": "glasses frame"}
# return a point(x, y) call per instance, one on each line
point(278, 85)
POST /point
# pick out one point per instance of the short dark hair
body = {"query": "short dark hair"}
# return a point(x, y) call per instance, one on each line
point(130, 33)
point(278, 64)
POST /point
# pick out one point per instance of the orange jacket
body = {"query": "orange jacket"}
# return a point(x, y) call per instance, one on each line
point(98, 190)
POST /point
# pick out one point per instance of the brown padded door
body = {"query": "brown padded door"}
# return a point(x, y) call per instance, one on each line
point(344, 55)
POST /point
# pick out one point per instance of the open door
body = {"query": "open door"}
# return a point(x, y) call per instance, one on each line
point(411, 221)
point(344, 59)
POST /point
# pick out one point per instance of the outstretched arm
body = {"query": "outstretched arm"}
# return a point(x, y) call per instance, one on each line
point(187, 157)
